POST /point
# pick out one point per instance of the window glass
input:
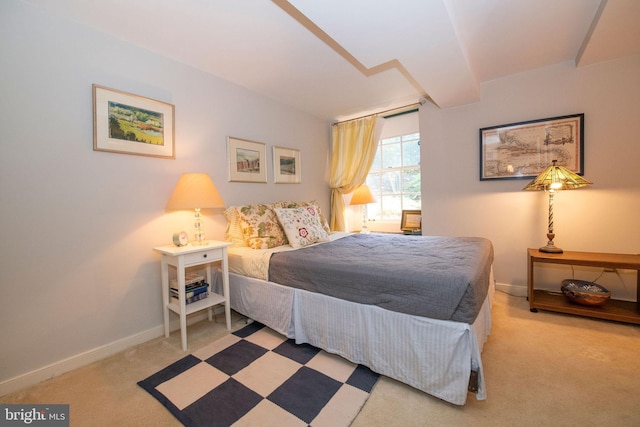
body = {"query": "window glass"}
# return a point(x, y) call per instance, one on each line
point(411, 180)
point(391, 182)
point(391, 207)
point(411, 152)
point(394, 178)
point(391, 155)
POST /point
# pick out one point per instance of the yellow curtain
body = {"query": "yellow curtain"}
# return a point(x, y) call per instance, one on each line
point(353, 150)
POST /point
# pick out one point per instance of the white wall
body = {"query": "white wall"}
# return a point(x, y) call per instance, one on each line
point(78, 226)
point(599, 218)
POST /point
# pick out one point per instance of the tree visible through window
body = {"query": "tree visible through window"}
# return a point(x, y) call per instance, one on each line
point(394, 177)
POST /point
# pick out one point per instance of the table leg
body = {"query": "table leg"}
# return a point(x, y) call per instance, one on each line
point(164, 275)
point(209, 278)
point(638, 289)
point(182, 300)
point(183, 330)
point(225, 288)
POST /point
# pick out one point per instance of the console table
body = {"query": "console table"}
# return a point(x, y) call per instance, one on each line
point(621, 311)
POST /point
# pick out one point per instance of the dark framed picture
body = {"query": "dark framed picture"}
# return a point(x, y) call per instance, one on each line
point(411, 221)
point(286, 166)
point(523, 150)
point(131, 124)
point(247, 160)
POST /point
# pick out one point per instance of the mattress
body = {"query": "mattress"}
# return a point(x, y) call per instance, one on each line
point(437, 277)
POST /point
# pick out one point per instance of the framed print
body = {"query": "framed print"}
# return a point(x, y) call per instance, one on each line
point(523, 150)
point(246, 160)
point(286, 166)
point(411, 222)
point(131, 124)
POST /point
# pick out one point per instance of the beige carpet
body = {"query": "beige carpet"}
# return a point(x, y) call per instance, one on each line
point(542, 369)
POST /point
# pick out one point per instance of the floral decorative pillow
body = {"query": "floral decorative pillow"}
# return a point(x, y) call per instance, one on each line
point(289, 205)
point(260, 227)
point(302, 225)
point(233, 232)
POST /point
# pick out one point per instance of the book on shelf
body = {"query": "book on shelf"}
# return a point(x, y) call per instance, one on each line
point(189, 279)
point(189, 300)
point(193, 291)
point(195, 288)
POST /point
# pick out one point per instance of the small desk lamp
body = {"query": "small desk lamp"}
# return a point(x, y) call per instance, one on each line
point(363, 196)
point(553, 179)
point(195, 191)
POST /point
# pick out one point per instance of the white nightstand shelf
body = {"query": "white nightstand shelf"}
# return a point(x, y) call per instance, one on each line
point(210, 301)
point(191, 256)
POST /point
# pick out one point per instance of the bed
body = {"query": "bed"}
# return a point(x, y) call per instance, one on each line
point(380, 315)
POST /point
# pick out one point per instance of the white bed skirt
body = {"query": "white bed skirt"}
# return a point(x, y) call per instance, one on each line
point(435, 356)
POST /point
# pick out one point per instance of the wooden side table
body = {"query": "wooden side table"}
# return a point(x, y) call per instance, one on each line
point(191, 256)
point(621, 311)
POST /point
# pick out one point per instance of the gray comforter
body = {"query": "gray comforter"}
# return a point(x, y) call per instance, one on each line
point(438, 277)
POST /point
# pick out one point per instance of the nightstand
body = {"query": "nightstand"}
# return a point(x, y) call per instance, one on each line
point(191, 256)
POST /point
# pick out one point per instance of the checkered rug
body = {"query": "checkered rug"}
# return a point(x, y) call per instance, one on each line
point(257, 377)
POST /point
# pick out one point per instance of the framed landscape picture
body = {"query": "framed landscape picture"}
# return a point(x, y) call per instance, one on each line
point(286, 166)
point(131, 124)
point(247, 160)
point(523, 150)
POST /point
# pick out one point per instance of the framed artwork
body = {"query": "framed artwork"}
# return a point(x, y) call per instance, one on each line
point(247, 160)
point(286, 166)
point(131, 124)
point(523, 150)
point(411, 222)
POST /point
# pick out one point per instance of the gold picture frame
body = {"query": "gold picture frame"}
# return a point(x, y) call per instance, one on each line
point(130, 124)
point(411, 222)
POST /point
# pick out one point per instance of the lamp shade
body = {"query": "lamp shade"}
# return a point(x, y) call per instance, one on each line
point(362, 196)
point(557, 178)
point(195, 190)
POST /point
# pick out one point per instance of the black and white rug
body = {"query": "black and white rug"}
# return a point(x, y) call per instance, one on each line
point(257, 377)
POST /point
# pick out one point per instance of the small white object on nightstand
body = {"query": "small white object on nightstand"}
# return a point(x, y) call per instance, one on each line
point(182, 257)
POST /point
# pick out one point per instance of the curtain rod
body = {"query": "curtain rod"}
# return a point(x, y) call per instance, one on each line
point(422, 101)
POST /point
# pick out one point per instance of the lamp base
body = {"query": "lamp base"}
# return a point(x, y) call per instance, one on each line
point(551, 249)
point(364, 229)
point(200, 241)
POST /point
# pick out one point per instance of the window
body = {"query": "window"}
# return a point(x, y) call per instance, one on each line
point(394, 178)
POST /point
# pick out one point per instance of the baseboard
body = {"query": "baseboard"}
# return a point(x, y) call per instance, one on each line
point(518, 291)
point(60, 367)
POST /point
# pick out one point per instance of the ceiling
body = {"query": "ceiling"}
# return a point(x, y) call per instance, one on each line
point(337, 59)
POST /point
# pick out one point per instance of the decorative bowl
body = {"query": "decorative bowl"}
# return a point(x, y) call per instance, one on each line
point(585, 293)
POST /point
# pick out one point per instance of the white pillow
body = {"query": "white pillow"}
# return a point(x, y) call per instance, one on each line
point(288, 205)
point(302, 225)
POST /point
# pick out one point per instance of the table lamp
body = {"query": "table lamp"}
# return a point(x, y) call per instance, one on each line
point(195, 191)
point(363, 196)
point(553, 179)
